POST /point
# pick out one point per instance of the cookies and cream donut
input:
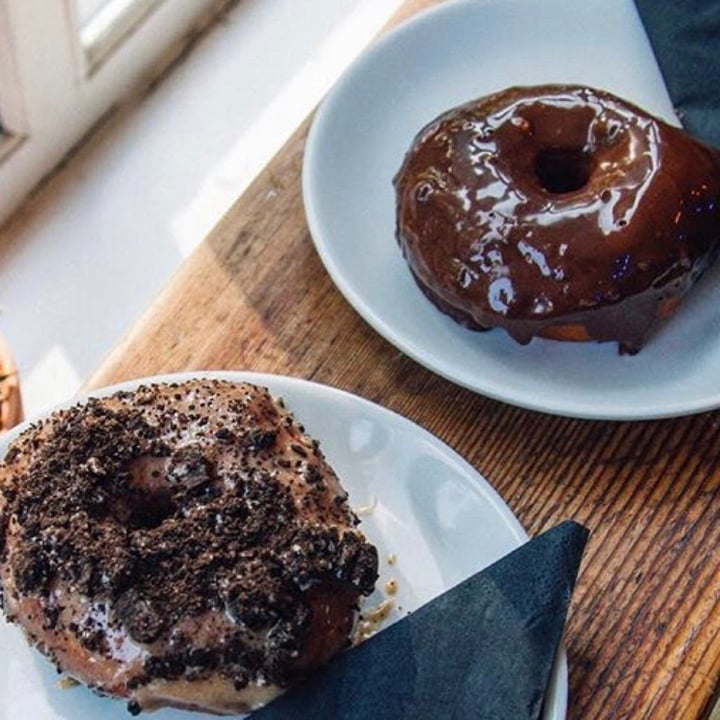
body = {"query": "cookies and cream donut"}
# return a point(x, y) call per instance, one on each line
point(557, 211)
point(181, 544)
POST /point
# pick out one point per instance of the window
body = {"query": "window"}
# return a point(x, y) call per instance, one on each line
point(65, 63)
point(103, 24)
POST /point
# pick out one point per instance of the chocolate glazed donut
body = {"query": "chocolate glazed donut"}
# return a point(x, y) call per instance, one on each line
point(557, 211)
point(181, 544)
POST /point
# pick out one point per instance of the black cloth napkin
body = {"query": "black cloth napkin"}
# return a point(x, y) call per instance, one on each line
point(685, 36)
point(482, 650)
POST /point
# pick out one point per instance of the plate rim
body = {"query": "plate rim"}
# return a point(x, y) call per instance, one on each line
point(558, 689)
point(580, 408)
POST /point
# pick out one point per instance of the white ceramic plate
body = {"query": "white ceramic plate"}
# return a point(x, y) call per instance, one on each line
point(431, 509)
point(453, 53)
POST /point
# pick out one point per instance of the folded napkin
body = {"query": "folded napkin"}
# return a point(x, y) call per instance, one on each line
point(483, 650)
point(685, 36)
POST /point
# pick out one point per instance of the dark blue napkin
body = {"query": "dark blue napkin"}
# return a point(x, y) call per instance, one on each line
point(685, 36)
point(482, 650)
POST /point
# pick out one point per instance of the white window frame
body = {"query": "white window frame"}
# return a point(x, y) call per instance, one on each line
point(55, 83)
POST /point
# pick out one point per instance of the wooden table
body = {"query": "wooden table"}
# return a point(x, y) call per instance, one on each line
point(641, 636)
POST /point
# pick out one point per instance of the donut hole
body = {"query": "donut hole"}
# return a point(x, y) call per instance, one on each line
point(563, 170)
point(144, 510)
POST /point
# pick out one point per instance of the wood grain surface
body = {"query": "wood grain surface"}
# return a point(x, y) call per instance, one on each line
point(642, 634)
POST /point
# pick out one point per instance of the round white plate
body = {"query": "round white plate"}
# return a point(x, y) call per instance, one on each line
point(453, 53)
point(430, 509)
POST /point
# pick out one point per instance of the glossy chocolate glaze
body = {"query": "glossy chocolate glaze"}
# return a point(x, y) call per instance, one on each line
point(539, 208)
